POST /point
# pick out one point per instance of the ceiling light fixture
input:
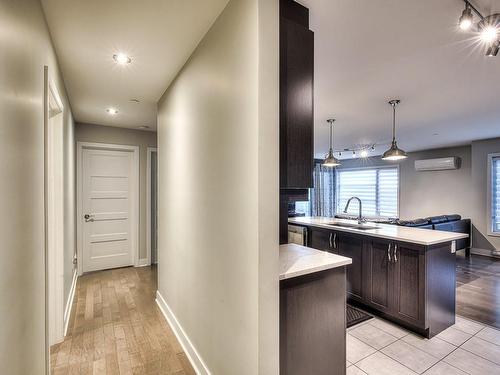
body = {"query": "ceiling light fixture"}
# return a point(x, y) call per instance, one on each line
point(488, 27)
point(330, 159)
point(122, 58)
point(394, 153)
point(112, 111)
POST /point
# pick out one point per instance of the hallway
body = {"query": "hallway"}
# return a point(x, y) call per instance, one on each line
point(117, 328)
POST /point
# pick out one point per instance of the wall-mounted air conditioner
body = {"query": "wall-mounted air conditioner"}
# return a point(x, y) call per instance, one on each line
point(439, 164)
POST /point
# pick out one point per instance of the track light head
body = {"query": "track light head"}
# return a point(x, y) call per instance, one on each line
point(489, 28)
point(492, 50)
point(465, 20)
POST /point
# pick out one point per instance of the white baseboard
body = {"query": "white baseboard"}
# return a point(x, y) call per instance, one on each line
point(487, 253)
point(199, 366)
point(142, 263)
point(69, 302)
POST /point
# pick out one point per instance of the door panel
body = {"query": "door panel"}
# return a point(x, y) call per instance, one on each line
point(380, 276)
point(319, 239)
point(107, 185)
point(409, 267)
point(352, 247)
point(296, 103)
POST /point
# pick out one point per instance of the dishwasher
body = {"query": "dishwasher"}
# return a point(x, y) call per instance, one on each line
point(297, 235)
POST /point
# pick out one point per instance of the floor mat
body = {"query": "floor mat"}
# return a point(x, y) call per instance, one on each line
point(355, 316)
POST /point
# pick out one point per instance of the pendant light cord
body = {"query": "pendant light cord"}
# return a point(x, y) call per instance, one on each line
point(331, 135)
point(393, 122)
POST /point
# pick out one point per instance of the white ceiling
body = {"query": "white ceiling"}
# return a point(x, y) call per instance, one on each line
point(369, 51)
point(159, 35)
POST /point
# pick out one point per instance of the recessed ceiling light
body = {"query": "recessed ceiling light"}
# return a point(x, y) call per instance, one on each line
point(112, 111)
point(122, 58)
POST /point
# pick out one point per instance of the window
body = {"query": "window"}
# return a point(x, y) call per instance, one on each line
point(494, 194)
point(378, 188)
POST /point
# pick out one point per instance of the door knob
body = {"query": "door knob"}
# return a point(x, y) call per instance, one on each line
point(88, 218)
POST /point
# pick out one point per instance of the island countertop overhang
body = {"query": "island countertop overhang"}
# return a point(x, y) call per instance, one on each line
point(387, 231)
point(296, 260)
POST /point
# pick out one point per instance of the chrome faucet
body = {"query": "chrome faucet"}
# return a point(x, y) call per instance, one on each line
point(361, 219)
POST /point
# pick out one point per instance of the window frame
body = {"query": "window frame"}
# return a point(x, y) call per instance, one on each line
point(378, 167)
point(489, 194)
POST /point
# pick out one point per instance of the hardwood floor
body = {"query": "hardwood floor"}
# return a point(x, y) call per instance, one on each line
point(478, 289)
point(117, 328)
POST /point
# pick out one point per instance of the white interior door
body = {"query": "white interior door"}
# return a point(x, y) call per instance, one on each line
point(107, 207)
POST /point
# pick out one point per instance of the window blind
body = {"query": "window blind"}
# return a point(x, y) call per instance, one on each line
point(378, 188)
point(495, 191)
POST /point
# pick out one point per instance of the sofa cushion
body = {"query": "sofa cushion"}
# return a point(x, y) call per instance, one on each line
point(413, 223)
point(437, 219)
point(454, 217)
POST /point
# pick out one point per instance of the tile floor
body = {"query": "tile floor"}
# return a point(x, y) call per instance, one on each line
point(378, 347)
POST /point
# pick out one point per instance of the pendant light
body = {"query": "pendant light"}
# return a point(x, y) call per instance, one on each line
point(394, 153)
point(330, 159)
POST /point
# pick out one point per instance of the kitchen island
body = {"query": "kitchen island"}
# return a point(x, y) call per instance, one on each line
point(312, 311)
point(406, 275)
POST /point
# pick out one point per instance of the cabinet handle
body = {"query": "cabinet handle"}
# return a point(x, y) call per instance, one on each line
point(395, 253)
point(330, 240)
point(335, 241)
point(389, 253)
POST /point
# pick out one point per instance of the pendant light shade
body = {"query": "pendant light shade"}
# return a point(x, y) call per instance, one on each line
point(330, 159)
point(394, 153)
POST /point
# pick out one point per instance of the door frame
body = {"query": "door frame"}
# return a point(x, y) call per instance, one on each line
point(134, 215)
point(150, 151)
point(53, 217)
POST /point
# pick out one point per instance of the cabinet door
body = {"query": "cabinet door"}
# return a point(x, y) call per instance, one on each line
point(320, 239)
point(380, 276)
point(296, 105)
point(409, 288)
point(352, 247)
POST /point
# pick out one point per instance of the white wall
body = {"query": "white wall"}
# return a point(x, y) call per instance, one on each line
point(131, 137)
point(480, 151)
point(25, 48)
point(218, 193)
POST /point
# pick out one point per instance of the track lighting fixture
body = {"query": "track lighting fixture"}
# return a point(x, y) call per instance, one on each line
point(394, 153)
point(465, 21)
point(330, 159)
point(488, 27)
point(492, 50)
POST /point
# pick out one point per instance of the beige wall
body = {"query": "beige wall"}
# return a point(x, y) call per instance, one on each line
point(131, 137)
point(429, 193)
point(218, 193)
point(26, 47)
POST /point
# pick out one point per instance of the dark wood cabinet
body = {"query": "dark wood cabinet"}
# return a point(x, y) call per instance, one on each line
point(409, 290)
point(312, 324)
point(380, 279)
point(296, 97)
point(351, 247)
point(320, 239)
point(411, 284)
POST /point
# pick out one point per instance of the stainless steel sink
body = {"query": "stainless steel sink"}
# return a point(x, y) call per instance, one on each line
point(354, 226)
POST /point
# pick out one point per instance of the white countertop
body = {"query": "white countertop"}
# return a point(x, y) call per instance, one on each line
point(297, 260)
point(387, 231)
